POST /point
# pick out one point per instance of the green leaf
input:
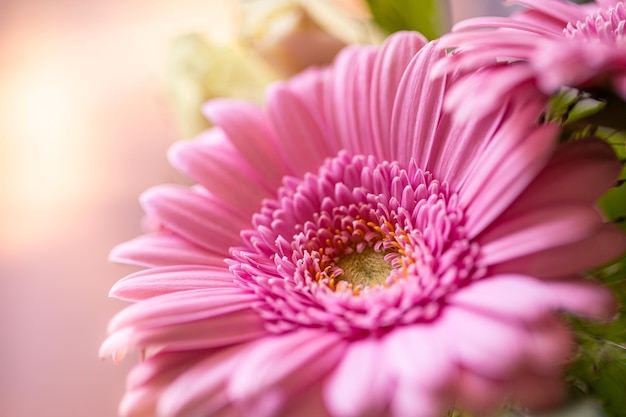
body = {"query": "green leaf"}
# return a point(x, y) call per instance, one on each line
point(599, 370)
point(429, 17)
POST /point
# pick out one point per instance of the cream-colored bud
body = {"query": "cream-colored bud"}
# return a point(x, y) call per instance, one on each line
point(198, 70)
point(292, 35)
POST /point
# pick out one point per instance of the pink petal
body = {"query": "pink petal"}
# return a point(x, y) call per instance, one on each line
point(498, 22)
point(416, 116)
point(536, 231)
point(538, 392)
point(584, 297)
point(299, 127)
point(515, 297)
point(359, 386)
point(139, 403)
point(456, 157)
point(182, 308)
point(201, 390)
point(309, 403)
point(409, 400)
point(505, 169)
point(489, 88)
point(580, 171)
point(552, 345)
point(389, 68)
point(247, 127)
point(223, 330)
point(158, 281)
point(479, 394)
point(212, 161)
point(605, 243)
point(483, 344)
point(415, 355)
point(198, 218)
point(347, 99)
point(161, 369)
point(480, 41)
point(163, 249)
point(424, 375)
point(192, 319)
point(116, 345)
point(275, 369)
point(565, 11)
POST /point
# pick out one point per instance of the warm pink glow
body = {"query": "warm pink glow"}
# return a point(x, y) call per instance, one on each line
point(84, 123)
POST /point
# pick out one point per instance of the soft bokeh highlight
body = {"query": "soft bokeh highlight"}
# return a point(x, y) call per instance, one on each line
point(84, 124)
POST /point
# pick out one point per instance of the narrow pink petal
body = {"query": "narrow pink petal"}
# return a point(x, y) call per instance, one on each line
point(552, 23)
point(204, 221)
point(359, 386)
point(470, 42)
point(201, 390)
point(212, 161)
point(308, 403)
point(584, 297)
point(580, 171)
point(515, 297)
point(563, 10)
point(483, 344)
point(504, 172)
point(275, 369)
point(359, 124)
point(552, 345)
point(479, 394)
point(163, 249)
point(416, 116)
point(424, 375)
point(139, 403)
point(500, 22)
point(511, 124)
point(409, 400)
point(536, 231)
point(347, 98)
point(228, 328)
point(183, 307)
point(415, 355)
point(116, 345)
point(151, 377)
point(490, 53)
point(605, 244)
point(163, 367)
point(539, 391)
point(389, 67)
point(164, 280)
point(299, 127)
point(248, 128)
point(457, 156)
point(489, 88)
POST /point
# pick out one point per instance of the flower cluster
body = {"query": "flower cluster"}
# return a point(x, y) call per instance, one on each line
point(354, 248)
point(553, 44)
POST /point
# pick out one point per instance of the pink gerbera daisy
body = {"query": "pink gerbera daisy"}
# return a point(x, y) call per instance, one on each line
point(380, 260)
point(553, 44)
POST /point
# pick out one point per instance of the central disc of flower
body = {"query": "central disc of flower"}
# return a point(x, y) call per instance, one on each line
point(360, 246)
point(363, 269)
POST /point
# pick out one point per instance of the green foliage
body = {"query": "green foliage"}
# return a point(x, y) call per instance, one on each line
point(428, 17)
point(614, 202)
point(599, 370)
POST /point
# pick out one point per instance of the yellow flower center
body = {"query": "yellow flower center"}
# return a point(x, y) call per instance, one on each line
point(367, 268)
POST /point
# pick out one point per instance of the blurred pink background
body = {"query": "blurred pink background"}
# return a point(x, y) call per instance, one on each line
point(84, 126)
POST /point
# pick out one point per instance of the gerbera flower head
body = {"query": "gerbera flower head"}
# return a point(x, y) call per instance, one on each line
point(349, 250)
point(552, 44)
